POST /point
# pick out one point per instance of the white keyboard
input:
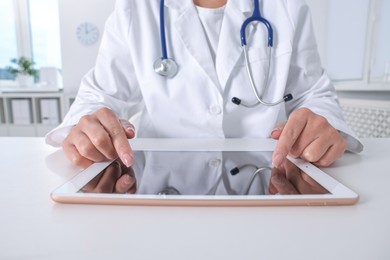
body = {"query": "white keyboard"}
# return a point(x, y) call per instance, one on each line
point(367, 118)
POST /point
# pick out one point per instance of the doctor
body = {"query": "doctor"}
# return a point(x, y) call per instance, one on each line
point(124, 97)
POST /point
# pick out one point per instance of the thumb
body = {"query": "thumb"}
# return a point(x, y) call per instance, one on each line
point(277, 131)
point(128, 127)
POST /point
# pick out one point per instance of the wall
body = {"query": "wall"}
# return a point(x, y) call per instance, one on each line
point(319, 11)
point(77, 59)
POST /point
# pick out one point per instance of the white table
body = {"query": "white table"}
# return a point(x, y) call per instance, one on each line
point(32, 226)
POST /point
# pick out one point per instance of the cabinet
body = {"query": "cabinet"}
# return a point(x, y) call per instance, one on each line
point(30, 114)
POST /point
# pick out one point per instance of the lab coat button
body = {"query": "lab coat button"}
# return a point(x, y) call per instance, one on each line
point(214, 162)
point(215, 110)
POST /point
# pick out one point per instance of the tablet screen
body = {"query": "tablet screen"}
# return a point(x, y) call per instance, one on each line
point(203, 173)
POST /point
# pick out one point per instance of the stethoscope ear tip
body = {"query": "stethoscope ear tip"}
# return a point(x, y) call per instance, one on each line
point(234, 171)
point(288, 97)
point(236, 101)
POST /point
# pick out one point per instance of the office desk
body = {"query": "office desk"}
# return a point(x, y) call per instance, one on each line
point(32, 226)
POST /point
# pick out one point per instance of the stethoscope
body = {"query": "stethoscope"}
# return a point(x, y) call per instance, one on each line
point(257, 172)
point(167, 67)
point(164, 66)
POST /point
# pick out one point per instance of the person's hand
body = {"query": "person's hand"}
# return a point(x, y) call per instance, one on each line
point(98, 137)
point(289, 179)
point(116, 178)
point(308, 136)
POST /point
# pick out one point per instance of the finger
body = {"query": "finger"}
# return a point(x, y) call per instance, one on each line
point(332, 154)
point(293, 173)
point(98, 136)
point(317, 131)
point(108, 180)
point(310, 186)
point(272, 189)
point(117, 135)
point(299, 180)
point(282, 184)
point(74, 156)
point(124, 183)
point(128, 127)
point(291, 132)
point(91, 185)
point(133, 189)
point(277, 131)
point(130, 172)
point(315, 150)
point(87, 149)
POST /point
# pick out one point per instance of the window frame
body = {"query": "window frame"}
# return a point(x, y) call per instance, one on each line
point(366, 83)
point(22, 34)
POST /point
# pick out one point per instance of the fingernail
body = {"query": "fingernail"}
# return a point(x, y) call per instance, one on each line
point(130, 129)
point(127, 159)
point(278, 129)
point(274, 131)
point(277, 161)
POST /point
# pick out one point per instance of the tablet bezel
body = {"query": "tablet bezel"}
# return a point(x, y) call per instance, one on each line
point(339, 194)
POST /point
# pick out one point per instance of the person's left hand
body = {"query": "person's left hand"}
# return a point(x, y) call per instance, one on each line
point(308, 136)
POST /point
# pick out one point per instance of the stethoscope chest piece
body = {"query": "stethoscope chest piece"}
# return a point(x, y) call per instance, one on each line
point(169, 191)
point(165, 67)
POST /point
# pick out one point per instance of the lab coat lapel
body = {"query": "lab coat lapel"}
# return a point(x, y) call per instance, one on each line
point(190, 29)
point(229, 47)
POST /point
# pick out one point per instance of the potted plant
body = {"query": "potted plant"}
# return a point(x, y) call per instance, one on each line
point(24, 71)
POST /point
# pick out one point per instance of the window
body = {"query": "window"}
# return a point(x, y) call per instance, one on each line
point(29, 28)
point(45, 33)
point(353, 38)
point(380, 71)
point(346, 40)
point(8, 44)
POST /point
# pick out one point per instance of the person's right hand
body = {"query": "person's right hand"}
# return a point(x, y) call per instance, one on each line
point(98, 137)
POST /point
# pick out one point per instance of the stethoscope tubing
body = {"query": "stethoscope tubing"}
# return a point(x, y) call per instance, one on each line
point(167, 67)
point(170, 190)
point(256, 16)
point(164, 52)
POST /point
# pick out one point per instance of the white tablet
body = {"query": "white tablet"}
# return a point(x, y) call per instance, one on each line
point(199, 173)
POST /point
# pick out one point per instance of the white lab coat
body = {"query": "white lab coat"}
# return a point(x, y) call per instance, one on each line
point(196, 103)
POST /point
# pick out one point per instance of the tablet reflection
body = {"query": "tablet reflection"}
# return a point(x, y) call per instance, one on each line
point(203, 173)
point(116, 178)
point(289, 179)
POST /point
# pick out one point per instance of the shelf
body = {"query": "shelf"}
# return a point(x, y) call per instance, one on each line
point(30, 114)
point(48, 110)
point(21, 130)
point(42, 130)
point(3, 130)
point(20, 111)
point(30, 90)
point(2, 112)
